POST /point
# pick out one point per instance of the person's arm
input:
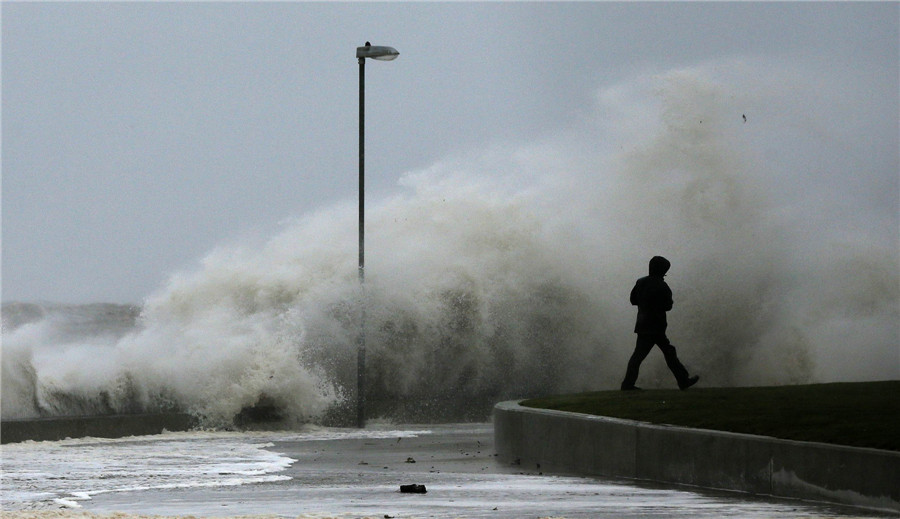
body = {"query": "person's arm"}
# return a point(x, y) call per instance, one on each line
point(636, 293)
point(666, 297)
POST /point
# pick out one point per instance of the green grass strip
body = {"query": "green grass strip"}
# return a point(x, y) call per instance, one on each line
point(865, 414)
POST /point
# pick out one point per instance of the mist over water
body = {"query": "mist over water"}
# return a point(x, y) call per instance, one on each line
point(505, 272)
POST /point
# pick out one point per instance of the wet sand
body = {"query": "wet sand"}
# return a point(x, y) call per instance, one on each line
point(361, 477)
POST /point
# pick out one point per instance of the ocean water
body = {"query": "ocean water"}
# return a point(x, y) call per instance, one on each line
point(53, 475)
point(66, 474)
point(505, 272)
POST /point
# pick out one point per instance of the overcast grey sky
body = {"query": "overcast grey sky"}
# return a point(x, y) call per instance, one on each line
point(138, 136)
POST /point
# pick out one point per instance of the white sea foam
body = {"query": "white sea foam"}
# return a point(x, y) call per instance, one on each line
point(72, 514)
point(50, 475)
point(44, 474)
point(505, 272)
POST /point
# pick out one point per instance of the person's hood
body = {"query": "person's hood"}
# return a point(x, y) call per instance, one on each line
point(659, 266)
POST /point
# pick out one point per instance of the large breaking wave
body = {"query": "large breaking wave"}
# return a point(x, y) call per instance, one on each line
point(505, 273)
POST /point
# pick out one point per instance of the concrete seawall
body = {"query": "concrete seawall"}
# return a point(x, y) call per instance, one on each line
point(113, 426)
point(574, 443)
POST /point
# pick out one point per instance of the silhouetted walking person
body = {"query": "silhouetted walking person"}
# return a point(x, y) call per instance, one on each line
point(653, 297)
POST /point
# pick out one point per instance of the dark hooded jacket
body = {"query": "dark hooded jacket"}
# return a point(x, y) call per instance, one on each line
point(653, 297)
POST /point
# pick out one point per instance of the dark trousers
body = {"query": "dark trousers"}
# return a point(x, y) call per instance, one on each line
point(645, 343)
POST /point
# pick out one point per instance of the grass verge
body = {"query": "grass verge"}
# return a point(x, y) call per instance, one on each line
point(864, 414)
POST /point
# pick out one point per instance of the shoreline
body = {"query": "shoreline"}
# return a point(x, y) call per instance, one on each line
point(351, 473)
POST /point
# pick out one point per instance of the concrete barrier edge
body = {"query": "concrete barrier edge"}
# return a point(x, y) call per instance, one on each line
point(588, 445)
point(112, 426)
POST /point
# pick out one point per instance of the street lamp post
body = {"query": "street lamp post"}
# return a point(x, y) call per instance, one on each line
point(383, 54)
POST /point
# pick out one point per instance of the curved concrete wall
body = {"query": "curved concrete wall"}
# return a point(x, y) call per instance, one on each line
point(112, 426)
point(599, 446)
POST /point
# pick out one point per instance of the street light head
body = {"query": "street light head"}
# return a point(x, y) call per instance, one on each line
point(377, 52)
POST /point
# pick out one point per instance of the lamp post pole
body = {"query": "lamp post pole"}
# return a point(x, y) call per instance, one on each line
point(361, 339)
point(384, 54)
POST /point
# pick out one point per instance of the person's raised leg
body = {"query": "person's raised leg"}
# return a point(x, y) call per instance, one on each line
point(675, 366)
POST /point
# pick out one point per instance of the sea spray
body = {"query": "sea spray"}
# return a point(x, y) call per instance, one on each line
point(505, 273)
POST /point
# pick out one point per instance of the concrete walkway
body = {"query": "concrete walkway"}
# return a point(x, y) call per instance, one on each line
point(581, 444)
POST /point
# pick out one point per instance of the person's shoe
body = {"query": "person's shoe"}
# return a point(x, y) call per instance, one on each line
point(689, 382)
point(631, 388)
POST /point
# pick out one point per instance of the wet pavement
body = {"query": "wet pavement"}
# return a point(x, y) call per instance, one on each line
point(360, 475)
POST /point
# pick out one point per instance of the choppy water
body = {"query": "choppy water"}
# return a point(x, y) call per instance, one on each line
point(66, 474)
